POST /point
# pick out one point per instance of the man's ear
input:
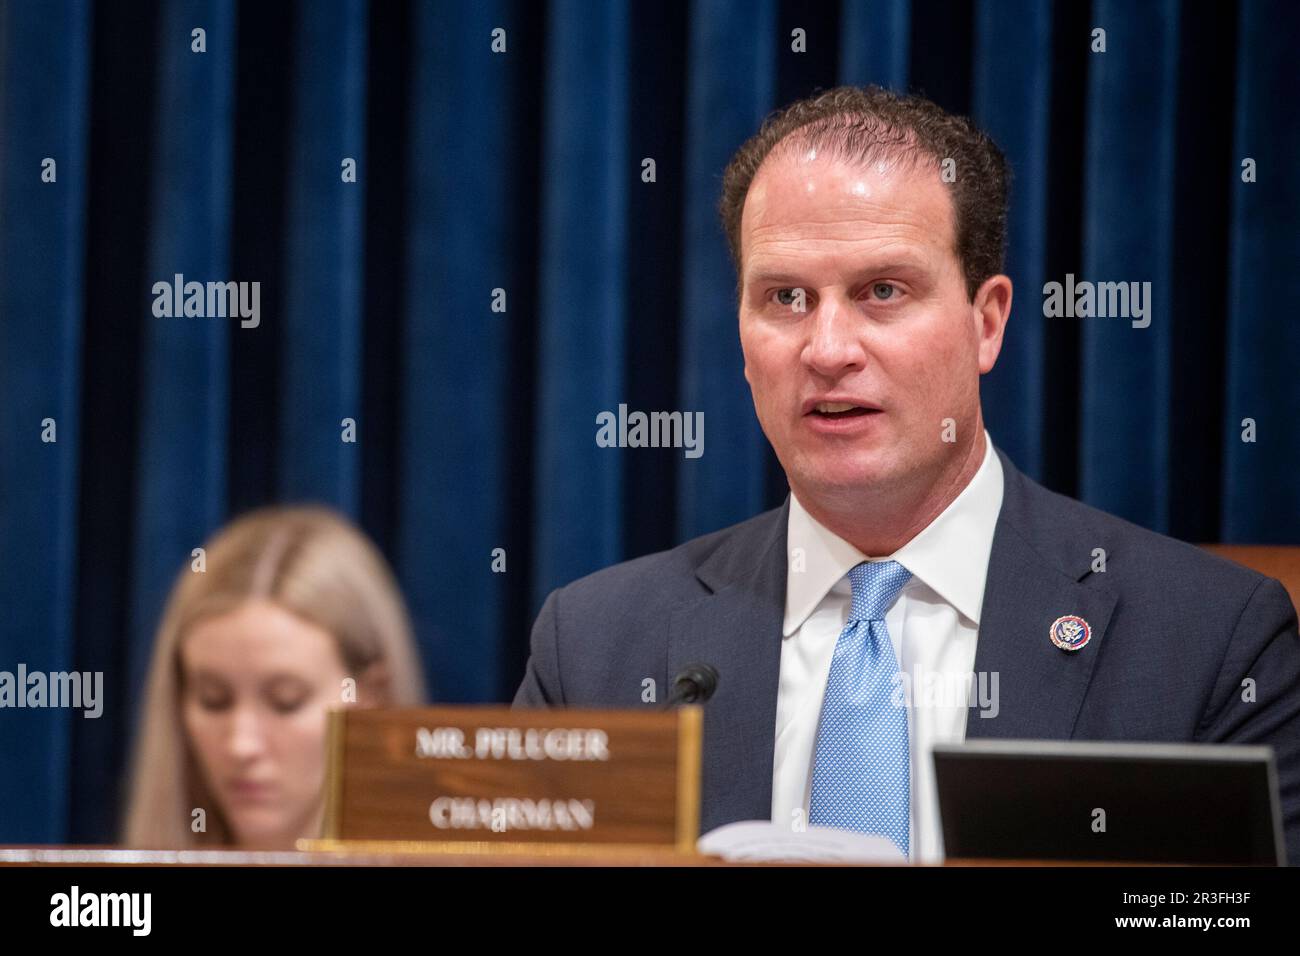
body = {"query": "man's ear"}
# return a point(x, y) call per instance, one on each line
point(990, 309)
point(374, 686)
point(744, 358)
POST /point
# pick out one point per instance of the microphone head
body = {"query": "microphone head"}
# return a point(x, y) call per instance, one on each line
point(695, 684)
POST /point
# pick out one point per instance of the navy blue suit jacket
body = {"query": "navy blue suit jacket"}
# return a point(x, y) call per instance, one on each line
point(1175, 632)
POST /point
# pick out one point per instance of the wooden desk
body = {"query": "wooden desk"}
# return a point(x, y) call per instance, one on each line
point(113, 856)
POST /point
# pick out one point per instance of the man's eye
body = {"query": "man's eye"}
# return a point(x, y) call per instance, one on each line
point(883, 290)
point(789, 296)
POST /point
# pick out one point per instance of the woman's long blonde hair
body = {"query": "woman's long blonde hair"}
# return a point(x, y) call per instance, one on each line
point(308, 561)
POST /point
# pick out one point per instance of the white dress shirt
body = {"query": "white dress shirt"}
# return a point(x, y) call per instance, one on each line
point(933, 624)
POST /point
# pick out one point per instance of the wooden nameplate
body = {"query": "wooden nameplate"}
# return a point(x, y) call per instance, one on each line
point(492, 779)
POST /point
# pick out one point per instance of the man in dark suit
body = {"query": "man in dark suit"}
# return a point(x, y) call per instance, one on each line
point(868, 233)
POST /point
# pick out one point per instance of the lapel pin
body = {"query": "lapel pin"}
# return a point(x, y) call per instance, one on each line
point(1070, 633)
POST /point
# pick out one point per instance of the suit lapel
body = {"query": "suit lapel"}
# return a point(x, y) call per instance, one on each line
point(1032, 688)
point(737, 629)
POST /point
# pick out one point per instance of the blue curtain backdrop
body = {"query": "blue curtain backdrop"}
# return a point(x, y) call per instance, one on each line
point(520, 171)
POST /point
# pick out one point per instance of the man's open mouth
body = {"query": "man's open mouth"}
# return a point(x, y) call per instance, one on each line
point(835, 410)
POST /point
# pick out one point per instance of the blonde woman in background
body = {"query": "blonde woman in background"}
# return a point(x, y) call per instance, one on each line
point(250, 656)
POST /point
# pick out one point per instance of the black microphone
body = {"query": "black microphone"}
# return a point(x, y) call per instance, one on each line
point(695, 684)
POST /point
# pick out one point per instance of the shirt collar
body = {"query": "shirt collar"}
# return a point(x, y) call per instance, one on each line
point(950, 555)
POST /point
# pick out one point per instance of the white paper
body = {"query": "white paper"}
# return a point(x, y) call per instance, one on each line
point(764, 840)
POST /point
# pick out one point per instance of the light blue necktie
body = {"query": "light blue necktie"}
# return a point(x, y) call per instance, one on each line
point(862, 768)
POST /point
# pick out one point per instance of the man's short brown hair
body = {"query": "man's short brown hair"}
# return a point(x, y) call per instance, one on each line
point(863, 124)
